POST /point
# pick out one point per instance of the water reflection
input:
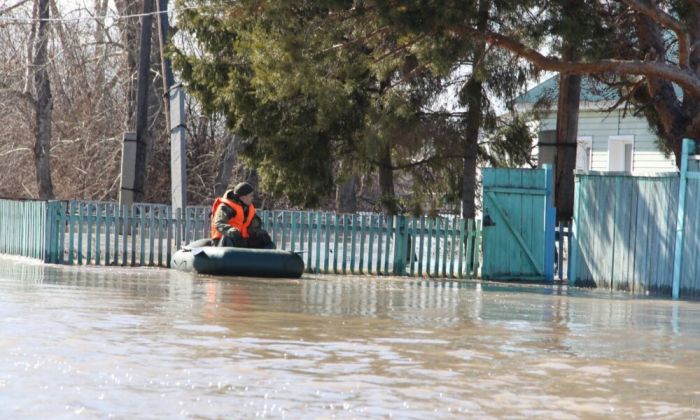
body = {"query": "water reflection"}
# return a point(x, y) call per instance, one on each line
point(158, 343)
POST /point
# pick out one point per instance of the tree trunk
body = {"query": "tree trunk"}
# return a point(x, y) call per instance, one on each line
point(471, 147)
point(28, 74)
point(346, 195)
point(567, 130)
point(386, 182)
point(473, 93)
point(43, 106)
point(101, 51)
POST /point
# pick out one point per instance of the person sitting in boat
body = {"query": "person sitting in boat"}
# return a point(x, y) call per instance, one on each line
point(234, 222)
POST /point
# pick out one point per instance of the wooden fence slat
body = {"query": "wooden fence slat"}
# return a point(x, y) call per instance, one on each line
point(169, 233)
point(126, 228)
point(429, 245)
point(178, 228)
point(380, 229)
point(61, 232)
point(387, 244)
point(460, 249)
point(151, 236)
point(477, 243)
point(336, 227)
point(327, 240)
point(71, 231)
point(114, 210)
point(283, 227)
point(293, 232)
point(108, 231)
point(353, 239)
point(98, 233)
point(370, 248)
point(160, 221)
point(298, 227)
point(142, 235)
point(410, 246)
point(90, 226)
point(438, 247)
point(453, 247)
point(307, 217)
point(345, 244)
point(275, 228)
point(317, 248)
point(133, 225)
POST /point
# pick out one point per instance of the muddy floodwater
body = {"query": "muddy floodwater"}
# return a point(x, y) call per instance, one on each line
point(155, 343)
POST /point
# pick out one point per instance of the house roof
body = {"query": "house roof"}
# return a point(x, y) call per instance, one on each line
point(591, 91)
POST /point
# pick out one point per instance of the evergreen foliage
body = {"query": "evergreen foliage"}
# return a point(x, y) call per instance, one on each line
point(312, 84)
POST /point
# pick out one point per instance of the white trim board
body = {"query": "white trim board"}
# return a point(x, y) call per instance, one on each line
point(620, 157)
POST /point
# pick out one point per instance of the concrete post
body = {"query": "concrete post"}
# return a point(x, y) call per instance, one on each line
point(178, 150)
point(128, 170)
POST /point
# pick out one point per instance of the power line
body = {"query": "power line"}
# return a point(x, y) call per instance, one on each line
point(8, 19)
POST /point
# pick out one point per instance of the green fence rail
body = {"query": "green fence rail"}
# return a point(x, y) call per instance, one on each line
point(98, 233)
point(22, 228)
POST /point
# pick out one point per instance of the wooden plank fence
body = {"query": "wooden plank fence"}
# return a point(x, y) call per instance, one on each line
point(99, 233)
point(624, 228)
point(639, 233)
point(22, 228)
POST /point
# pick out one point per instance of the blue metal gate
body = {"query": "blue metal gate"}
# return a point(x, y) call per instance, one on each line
point(518, 224)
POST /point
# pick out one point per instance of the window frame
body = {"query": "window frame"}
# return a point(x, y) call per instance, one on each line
point(588, 141)
point(623, 139)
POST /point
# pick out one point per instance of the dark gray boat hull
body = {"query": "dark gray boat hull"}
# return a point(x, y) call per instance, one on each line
point(224, 261)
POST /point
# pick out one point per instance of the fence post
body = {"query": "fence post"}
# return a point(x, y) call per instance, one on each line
point(573, 235)
point(51, 233)
point(549, 226)
point(400, 246)
point(688, 148)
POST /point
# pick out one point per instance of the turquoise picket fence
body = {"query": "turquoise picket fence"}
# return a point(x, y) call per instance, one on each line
point(97, 233)
point(22, 228)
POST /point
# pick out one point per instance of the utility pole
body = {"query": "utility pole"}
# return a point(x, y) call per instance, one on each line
point(142, 99)
point(166, 68)
point(175, 116)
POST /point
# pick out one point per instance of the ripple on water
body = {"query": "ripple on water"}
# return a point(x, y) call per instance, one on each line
point(154, 343)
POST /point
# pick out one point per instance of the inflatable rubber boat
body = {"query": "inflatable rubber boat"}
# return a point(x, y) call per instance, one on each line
point(201, 257)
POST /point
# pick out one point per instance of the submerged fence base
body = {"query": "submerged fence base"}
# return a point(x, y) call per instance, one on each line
point(93, 233)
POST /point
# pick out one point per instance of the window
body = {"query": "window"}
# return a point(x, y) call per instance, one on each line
point(620, 153)
point(584, 153)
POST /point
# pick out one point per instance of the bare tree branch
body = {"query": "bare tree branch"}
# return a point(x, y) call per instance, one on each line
point(400, 48)
point(30, 52)
point(688, 81)
point(14, 6)
point(18, 149)
point(670, 22)
point(17, 94)
point(372, 34)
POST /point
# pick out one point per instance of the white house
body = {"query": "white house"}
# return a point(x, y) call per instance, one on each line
point(607, 140)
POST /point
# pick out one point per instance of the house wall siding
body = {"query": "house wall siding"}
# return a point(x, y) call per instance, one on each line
point(600, 125)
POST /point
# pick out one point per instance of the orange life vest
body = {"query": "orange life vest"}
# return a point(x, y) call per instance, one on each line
point(236, 221)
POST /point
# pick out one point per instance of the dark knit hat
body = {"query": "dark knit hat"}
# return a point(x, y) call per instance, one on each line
point(242, 189)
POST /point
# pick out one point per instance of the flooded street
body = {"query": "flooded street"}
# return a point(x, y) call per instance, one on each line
point(156, 343)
